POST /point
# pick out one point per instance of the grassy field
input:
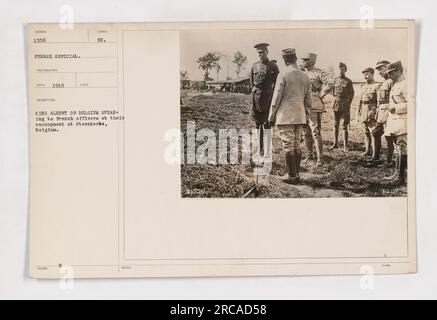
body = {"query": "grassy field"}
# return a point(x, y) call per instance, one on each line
point(342, 174)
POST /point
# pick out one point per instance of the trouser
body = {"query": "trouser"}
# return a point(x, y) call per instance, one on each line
point(390, 147)
point(290, 135)
point(262, 124)
point(372, 142)
point(401, 159)
point(313, 134)
point(377, 133)
point(401, 145)
point(346, 115)
point(338, 115)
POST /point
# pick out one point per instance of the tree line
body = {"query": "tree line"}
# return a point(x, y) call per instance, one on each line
point(211, 61)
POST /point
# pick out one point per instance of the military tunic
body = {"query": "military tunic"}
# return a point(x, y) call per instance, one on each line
point(397, 120)
point(320, 86)
point(368, 104)
point(292, 97)
point(343, 93)
point(384, 101)
point(263, 78)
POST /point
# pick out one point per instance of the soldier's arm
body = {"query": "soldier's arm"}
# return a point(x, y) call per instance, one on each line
point(358, 112)
point(276, 73)
point(390, 86)
point(375, 94)
point(378, 97)
point(333, 92)
point(251, 76)
point(401, 107)
point(275, 76)
point(351, 92)
point(327, 84)
point(360, 105)
point(277, 96)
point(308, 99)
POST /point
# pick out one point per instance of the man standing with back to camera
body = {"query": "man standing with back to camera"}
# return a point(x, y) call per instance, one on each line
point(290, 112)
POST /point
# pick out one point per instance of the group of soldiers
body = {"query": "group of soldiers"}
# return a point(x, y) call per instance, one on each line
point(293, 101)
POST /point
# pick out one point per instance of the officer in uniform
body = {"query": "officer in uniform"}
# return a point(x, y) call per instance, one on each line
point(290, 111)
point(262, 78)
point(397, 120)
point(383, 113)
point(367, 108)
point(320, 87)
point(343, 95)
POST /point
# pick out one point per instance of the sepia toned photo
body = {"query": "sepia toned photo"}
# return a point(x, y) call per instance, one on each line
point(163, 132)
point(297, 113)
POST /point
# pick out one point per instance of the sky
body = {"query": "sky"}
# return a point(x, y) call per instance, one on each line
point(357, 48)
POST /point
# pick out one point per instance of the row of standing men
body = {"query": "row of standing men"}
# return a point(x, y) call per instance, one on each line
point(293, 101)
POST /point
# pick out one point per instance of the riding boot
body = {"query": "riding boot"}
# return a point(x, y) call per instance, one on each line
point(336, 133)
point(390, 150)
point(368, 143)
point(395, 174)
point(298, 161)
point(319, 150)
point(291, 177)
point(261, 141)
point(267, 145)
point(403, 168)
point(376, 148)
point(346, 141)
point(310, 149)
point(401, 172)
point(258, 153)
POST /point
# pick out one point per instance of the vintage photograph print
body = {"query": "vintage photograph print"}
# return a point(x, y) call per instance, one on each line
point(294, 113)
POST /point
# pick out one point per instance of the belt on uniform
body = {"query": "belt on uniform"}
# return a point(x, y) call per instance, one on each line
point(370, 104)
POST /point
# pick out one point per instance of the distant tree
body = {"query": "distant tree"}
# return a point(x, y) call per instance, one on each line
point(184, 75)
point(240, 60)
point(208, 62)
point(185, 81)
